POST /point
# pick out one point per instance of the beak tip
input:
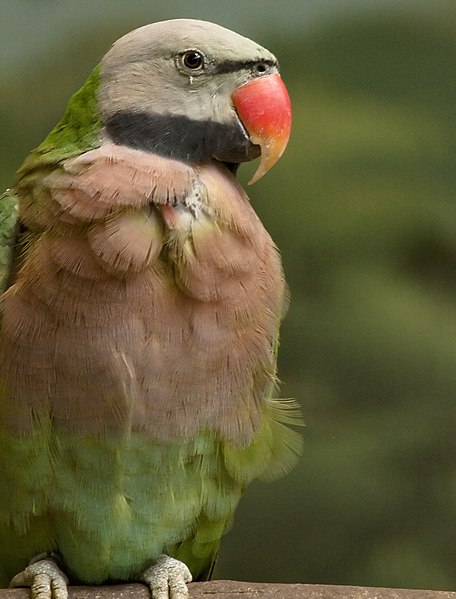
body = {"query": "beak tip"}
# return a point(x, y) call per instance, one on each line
point(272, 148)
point(258, 174)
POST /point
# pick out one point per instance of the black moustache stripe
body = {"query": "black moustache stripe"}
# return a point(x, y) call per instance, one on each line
point(180, 137)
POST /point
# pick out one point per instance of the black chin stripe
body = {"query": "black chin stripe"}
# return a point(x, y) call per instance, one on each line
point(180, 137)
point(231, 66)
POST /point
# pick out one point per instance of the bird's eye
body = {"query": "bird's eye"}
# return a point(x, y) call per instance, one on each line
point(192, 60)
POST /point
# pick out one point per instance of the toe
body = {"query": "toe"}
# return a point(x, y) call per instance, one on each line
point(45, 580)
point(167, 578)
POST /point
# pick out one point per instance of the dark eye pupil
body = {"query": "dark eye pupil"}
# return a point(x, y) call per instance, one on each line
point(193, 60)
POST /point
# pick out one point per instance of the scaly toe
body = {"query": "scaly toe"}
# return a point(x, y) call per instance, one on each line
point(167, 578)
point(45, 580)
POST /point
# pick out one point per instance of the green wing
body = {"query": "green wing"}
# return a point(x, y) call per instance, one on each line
point(77, 131)
point(8, 233)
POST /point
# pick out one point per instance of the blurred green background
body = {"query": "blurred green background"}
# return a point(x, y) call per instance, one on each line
point(363, 208)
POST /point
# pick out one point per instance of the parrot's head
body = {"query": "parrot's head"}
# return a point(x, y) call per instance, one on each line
point(196, 91)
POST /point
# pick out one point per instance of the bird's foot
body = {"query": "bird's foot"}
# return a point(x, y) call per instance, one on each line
point(44, 578)
point(167, 578)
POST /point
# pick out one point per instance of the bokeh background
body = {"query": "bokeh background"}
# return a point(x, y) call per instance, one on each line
point(363, 208)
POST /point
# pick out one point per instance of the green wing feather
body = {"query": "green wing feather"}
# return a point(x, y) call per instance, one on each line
point(8, 232)
point(78, 131)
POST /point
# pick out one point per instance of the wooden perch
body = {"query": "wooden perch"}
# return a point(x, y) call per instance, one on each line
point(230, 589)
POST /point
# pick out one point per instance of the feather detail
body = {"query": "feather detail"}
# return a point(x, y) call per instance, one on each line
point(8, 230)
point(98, 183)
point(128, 241)
point(178, 323)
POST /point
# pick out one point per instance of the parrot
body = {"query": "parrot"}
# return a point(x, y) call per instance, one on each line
point(141, 301)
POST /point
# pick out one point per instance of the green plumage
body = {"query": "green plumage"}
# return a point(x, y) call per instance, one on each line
point(111, 508)
point(137, 353)
point(76, 132)
point(8, 229)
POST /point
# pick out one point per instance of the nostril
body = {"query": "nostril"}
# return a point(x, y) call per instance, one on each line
point(261, 68)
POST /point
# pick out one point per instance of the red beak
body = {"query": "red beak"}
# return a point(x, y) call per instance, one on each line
point(264, 107)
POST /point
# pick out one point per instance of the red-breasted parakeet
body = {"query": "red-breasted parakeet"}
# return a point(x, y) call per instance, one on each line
point(139, 317)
